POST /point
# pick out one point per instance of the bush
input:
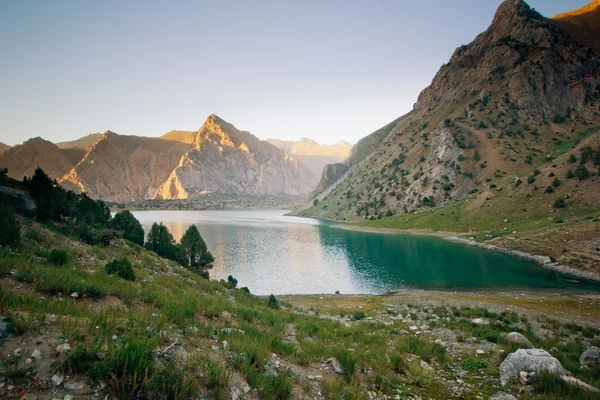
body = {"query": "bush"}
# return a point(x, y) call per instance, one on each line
point(471, 364)
point(581, 172)
point(559, 203)
point(10, 229)
point(570, 174)
point(272, 303)
point(348, 363)
point(34, 235)
point(58, 257)
point(131, 228)
point(315, 202)
point(530, 179)
point(572, 159)
point(232, 281)
point(122, 268)
point(556, 182)
point(358, 315)
point(549, 189)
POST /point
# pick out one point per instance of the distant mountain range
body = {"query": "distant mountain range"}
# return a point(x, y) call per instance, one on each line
point(312, 154)
point(179, 165)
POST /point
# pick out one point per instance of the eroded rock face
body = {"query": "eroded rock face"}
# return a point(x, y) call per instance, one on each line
point(331, 173)
point(124, 168)
point(529, 360)
point(224, 159)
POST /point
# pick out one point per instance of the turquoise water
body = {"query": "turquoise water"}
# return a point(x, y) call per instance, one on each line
point(272, 253)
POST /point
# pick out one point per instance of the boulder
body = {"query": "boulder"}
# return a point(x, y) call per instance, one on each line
point(479, 321)
point(529, 360)
point(335, 365)
point(590, 357)
point(521, 340)
point(502, 396)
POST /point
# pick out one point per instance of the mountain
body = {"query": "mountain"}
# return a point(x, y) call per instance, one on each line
point(514, 103)
point(225, 159)
point(583, 24)
point(22, 160)
point(3, 147)
point(124, 168)
point(312, 154)
point(84, 142)
point(179, 136)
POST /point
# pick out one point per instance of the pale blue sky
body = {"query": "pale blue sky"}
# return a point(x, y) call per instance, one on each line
point(326, 69)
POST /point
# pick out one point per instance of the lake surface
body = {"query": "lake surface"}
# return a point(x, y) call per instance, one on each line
point(272, 253)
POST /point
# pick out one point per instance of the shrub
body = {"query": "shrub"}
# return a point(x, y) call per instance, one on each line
point(34, 235)
point(58, 257)
point(530, 179)
point(556, 182)
point(397, 362)
point(272, 302)
point(559, 203)
point(10, 229)
point(315, 202)
point(572, 159)
point(549, 189)
point(232, 281)
point(348, 363)
point(131, 228)
point(122, 268)
point(471, 364)
point(581, 172)
point(358, 315)
point(570, 174)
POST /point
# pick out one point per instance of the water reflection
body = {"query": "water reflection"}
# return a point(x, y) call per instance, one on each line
point(271, 253)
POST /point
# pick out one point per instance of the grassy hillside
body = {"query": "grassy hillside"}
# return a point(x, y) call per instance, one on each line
point(169, 333)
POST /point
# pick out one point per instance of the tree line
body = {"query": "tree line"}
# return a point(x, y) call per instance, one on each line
point(80, 217)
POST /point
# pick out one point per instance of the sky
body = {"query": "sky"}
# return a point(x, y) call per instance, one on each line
point(329, 70)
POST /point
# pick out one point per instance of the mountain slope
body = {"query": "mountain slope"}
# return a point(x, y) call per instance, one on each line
point(225, 159)
point(498, 124)
point(3, 147)
point(179, 136)
point(312, 154)
point(124, 168)
point(84, 142)
point(583, 24)
point(22, 160)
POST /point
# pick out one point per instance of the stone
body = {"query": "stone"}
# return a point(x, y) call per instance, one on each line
point(63, 348)
point(479, 321)
point(480, 352)
point(29, 396)
point(36, 354)
point(530, 360)
point(574, 381)
point(74, 295)
point(335, 364)
point(414, 328)
point(426, 366)
point(502, 396)
point(590, 357)
point(235, 394)
point(521, 340)
point(57, 380)
point(18, 352)
point(224, 344)
point(68, 397)
point(526, 377)
point(246, 389)
point(76, 387)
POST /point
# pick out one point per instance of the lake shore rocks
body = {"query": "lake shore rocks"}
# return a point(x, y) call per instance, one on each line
point(520, 339)
point(529, 360)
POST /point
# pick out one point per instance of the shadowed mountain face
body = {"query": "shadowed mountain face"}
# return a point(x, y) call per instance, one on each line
point(224, 159)
point(3, 147)
point(583, 24)
point(312, 154)
point(514, 102)
point(124, 168)
point(22, 160)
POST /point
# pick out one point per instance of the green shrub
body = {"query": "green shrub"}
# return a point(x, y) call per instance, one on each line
point(424, 348)
point(130, 227)
point(272, 302)
point(581, 172)
point(530, 179)
point(570, 174)
point(34, 235)
point(358, 315)
point(549, 189)
point(232, 281)
point(556, 182)
point(10, 229)
point(348, 362)
point(122, 268)
point(397, 362)
point(58, 257)
point(471, 364)
point(559, 203)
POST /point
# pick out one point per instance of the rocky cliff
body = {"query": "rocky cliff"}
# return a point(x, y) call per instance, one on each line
point(22, 160)
point(583, 24)
point(84, 142)
point(124, 168)
point(225, 159)
point(513, 103)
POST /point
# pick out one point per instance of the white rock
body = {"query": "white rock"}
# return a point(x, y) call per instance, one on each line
point(74, 295)
point(480, 352)
point(36, 354)
point(63, 348)
point(533, 360)
point(224, 344)
point(57, 380)
point(480, 321)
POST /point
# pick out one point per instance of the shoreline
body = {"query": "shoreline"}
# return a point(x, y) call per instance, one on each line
point(455, 237)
